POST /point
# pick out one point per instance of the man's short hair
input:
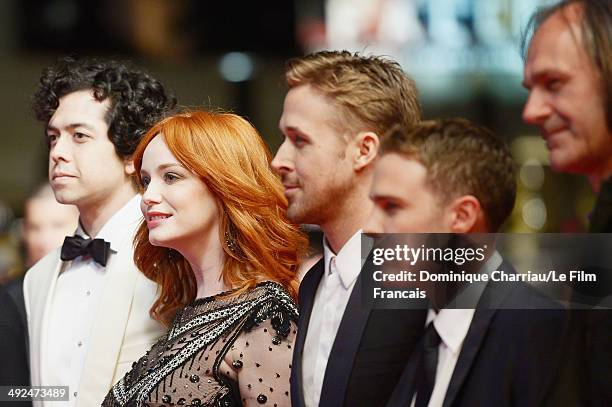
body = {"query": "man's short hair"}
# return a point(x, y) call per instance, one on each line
point(372, 93)
point(138, 100)
point(596, 24)
point(461, 158)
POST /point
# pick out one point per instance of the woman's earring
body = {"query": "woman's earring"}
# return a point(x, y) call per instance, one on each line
point(231, 243)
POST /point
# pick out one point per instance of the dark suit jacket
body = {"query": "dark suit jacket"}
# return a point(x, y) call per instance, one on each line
point(595, 327)
point(597, 324)
point(368, 355)
point(14, 367)
point(14, 289)
point(601, 218)
point(509, 356)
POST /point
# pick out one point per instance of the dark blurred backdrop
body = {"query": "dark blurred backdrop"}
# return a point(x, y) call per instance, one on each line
point(463, 54)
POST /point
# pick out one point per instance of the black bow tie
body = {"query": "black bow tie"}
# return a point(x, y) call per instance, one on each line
point(75, 246)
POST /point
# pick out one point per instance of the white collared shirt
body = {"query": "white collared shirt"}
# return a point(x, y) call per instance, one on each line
point(341, 272)
point(452, 326)
point(75, 302)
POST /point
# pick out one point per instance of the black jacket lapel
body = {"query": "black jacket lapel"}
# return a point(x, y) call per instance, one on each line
point(308, 290)
point(406, 386)
point(342, 355)
point(471, 345)
point(492, 296)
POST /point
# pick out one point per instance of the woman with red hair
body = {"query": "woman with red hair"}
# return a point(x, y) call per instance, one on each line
point(217, 241)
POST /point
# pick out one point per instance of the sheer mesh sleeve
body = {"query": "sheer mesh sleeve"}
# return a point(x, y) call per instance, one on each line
point(260, 361)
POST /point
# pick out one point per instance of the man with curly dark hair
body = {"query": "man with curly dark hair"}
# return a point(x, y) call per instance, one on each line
point(87, 303)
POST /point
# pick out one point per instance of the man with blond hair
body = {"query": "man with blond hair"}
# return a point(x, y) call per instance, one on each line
point(338, 107)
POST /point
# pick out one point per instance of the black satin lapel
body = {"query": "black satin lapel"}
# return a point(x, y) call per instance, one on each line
point(494, 295)
point(308, 290)
point(471, 345)
point(342, 355)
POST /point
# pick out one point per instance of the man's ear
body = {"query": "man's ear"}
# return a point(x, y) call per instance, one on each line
point(466, 215)
point(128, 166)
point(367, 144)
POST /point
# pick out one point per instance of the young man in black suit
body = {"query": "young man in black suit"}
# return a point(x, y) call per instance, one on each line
point(452, 176)
point(338, 106)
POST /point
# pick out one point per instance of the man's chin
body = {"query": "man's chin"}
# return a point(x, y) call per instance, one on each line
point(66, 200)
point(559, 162)
point(296, 214)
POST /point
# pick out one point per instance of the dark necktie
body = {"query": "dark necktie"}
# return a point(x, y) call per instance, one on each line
point(75, 246)
point(428, 366)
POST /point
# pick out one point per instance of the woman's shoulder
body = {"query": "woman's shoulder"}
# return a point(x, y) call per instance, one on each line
point(268, 300)
point(273, 291)
point(273, 294)
point(273, 303)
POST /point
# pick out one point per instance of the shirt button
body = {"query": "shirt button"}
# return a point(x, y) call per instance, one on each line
point(75, 394)
point(88, 293)
point(80, 344)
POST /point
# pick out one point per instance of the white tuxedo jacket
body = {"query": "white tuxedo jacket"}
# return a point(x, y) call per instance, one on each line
point(122, 330)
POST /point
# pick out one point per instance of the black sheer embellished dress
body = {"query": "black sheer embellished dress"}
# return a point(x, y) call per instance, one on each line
point(219, 351)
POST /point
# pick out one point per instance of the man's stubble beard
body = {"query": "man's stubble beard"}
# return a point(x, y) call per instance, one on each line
point(310, 210)
point(303, 212)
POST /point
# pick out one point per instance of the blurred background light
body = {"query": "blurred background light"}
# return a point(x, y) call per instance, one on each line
point(532, 174)
point(236, 67)
point(534, 213)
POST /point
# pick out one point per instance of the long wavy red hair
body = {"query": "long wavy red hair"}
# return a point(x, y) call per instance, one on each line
point(230, 157)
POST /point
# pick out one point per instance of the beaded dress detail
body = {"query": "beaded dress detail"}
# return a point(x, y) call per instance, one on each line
point(220, 352)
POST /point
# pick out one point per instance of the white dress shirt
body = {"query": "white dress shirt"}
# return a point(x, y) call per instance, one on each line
point(75, 302)
point(452, 326)
point(341, 272)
